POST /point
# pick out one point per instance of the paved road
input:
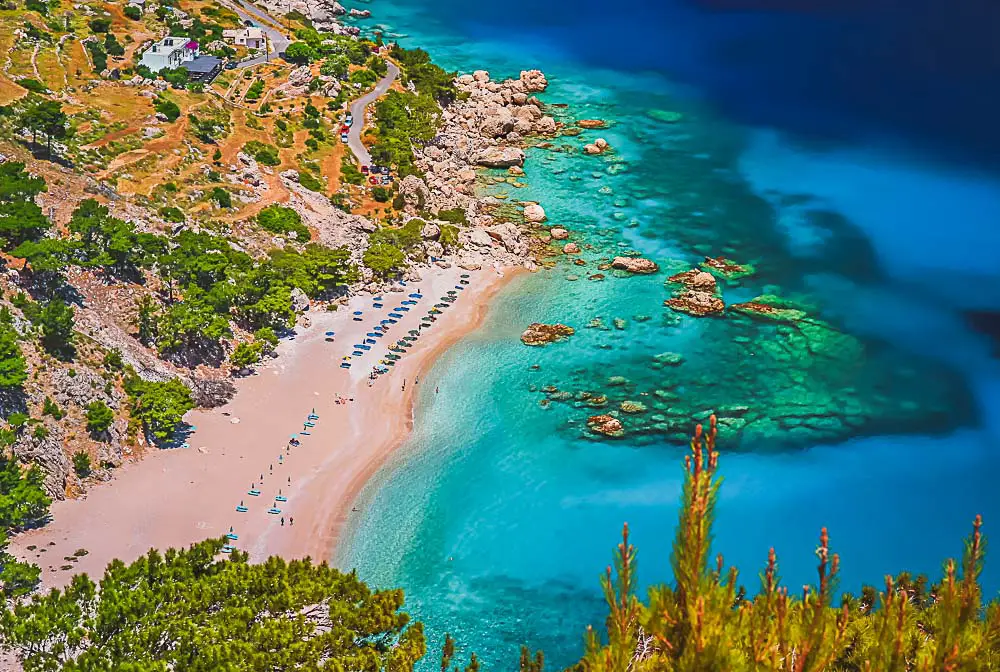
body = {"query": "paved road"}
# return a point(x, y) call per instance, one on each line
point(358, 112)
point(278, 40)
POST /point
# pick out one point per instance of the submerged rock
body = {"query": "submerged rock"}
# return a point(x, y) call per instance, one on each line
point(592, 123)
point(637, 265)
point(541, 334)
point(606, 425)
point(629, 406)
point(699, 296)
point(727, 268)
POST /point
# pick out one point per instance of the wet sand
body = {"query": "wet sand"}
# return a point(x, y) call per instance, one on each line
point(175, 497)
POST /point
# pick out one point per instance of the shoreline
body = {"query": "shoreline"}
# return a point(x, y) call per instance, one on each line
point(175, 497)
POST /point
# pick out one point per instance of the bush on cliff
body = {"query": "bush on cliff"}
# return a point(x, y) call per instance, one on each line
point(384, 259)
point(282, 221)
point(23, 503)
point(159, 406)
point(196, 609)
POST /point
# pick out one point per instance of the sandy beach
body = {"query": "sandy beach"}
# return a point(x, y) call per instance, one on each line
point(175, 497)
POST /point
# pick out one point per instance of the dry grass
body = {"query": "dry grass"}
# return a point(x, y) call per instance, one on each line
point(51, 70)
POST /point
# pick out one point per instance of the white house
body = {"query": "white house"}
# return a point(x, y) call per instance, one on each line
point(170, 52)
point(250, 37)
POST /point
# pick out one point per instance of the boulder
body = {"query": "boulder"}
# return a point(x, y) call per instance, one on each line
point(727, 268)
point(599, 146)
point(695, 280)
point(534, 213)
point(541, 334)
point(414, 191)
point(481, 76)
point(500, 157)
point(479, 238)
point(559, 233)
point(635, 265)
point(300, 302)
point(571, 248)
point(546, 125)
point(696, 303)
point(509, 236)
point(430, 231)
point(361, 13)
point(592, 123)
point(533, 81)
point(498, 123)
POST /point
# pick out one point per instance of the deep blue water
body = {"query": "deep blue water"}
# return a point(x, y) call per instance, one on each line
point(848, 150)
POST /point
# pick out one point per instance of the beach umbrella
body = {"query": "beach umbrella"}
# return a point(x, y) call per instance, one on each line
point(379, 298)
point(415, 296)
point(330, 333)
point(377, 305)
point(396, 315)
point(346, 357)
point(357, 312)
point(413, 332)
point(464, 275)
point(403, 283)
point(372, 334)
point(357, 353)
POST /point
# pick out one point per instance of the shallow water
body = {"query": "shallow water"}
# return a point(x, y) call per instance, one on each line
point(499, 515)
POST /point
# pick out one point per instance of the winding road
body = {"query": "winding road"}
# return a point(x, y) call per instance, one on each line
point(278, 40)
point(358, 112)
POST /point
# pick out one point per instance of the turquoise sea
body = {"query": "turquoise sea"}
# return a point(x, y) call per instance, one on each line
point(499, 514)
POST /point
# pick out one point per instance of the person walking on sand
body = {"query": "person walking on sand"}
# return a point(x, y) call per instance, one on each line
point(282, 521)
point(291, 520)
point(436, 389)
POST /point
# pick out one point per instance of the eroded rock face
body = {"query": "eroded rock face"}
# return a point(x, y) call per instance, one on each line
point(48, 454)
point(606, 425)
point(414, 191)
point(638, 265)
point(542, 334)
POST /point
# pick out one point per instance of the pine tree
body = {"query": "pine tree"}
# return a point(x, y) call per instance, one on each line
point(13, 370)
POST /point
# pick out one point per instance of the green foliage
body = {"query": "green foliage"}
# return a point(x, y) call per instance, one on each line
point(316, 270)
point(705, 621)
point(178, 77)
point(46, 117)
point(255, 91)
point(13, 369)
point(233, 615)
point(98, 55)
point(300, 52)
point(267, 336)
point(132, 12)
point(167, 108)
point(310, 181)
point(400, 120)
point(429, 79)
point(384, 259)
point(449, 237)
point(99, 417)
point(264, 153)
point(23, 503)
point(172, 214)
point(81, 464)
point(100, 25)
point(113, 360)
point(335, 66)
point(159, 406)
point(378, 66)
point(381, 194)
point(37, 6)
point(30, 84)
point(364, 77)
point(405, 237)
point(113, 46)
point(221, 197)
point(246, 354)
point(350, 173)
point(51, 408)
point(57, 329)
point(283, 221)
point(454, 216)
point(109, 243)
point(191, 324)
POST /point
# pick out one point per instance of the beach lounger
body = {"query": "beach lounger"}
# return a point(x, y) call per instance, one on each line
point(345, 365)
point(396, 315)
point(242, 509)
point(371, 341)
point(404, 308)
point(232, 536)
point(253, 493)
point(377, 305)
point(228, 549)
point(393, 321)
point(274, 510)
point(309, 424)
point(366, 347)
point(281, 498)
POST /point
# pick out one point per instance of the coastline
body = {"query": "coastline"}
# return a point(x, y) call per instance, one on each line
point(175, 497)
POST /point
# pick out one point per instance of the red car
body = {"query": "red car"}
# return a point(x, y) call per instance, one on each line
point(364, 170)
point(373, 180)
point(345, 129)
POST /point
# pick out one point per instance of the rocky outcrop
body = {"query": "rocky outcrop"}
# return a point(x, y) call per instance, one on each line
point(558, 233)
point(500, 157)
point(699, 297)
point(414, 191)
point(599, 146)
point(533, 81)
point(360, 13)
point(510, 237)
point(322, 13)
point(47, 453)
point(571, 248)
point(592, 123)
point(727, 268)
point(606, 425)
point(542, 334)
point(637, 265)
point(430, 231)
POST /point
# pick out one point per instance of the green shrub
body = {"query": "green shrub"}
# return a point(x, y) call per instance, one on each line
point(255, 91)
point(32, 85)
point(81, 464)
point(381, 194)
point(310, 181)
point(113, 360)
point(384, 259)
point(449, 237)
point(172, 214)
point(100, 25)
point(349, 173)
point(454, 216)
point(99, 417)
point(132, 12)
point(50, 407)
point(167, 108)
point(221, 197)
point(246, 354)
point(282, 221)
point(262, 152)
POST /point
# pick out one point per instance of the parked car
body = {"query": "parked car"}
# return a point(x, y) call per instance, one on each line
point(364, 170)
point(372, 180)
point(248, 23)
point(230, 65)
point(345, 129)
point(350, 120)
point(343, 138)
